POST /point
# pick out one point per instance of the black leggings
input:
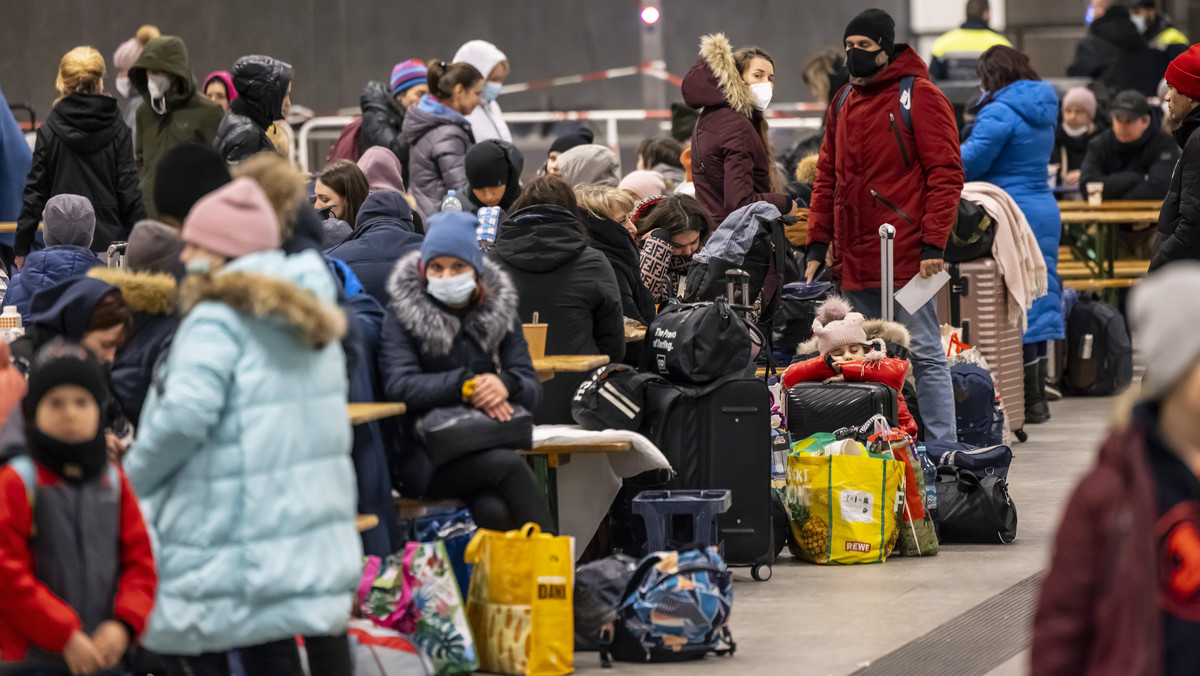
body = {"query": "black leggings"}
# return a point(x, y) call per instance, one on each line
point(327, 656)
point(498, 487)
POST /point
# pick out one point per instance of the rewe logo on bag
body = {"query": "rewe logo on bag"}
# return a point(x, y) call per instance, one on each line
point(855, 546)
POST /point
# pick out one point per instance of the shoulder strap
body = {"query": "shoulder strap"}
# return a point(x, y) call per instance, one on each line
point(841, 101)
point(27, 472)
point(906, 95)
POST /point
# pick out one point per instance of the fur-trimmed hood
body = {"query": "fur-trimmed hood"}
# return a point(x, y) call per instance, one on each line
point(435, 327)
point(295, 291)
point(714, 79)
point(146, 292)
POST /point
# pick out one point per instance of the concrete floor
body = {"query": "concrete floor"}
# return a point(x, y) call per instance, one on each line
point(820, 620)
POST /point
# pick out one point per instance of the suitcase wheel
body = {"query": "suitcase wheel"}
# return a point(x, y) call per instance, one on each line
point(761, 572)
point(1021, 435)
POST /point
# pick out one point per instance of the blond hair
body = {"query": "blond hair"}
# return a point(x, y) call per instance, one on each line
point(604, 202)
point(283, 186)
point(806, 169)
point(81, 70)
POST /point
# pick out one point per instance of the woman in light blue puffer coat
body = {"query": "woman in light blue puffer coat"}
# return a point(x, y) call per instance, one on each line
point(243, 454)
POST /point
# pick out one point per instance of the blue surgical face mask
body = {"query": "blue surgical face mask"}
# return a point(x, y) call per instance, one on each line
point(453, 290)
point(198, 265)
point(491, 90)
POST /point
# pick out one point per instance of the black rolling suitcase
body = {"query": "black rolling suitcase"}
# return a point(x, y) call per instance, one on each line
point(719, 436)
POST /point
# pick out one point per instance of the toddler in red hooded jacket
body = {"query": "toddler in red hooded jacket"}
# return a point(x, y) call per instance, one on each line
point(77, 578)
point(847, 354)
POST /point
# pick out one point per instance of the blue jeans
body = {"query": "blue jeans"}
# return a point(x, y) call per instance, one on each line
point(935, 393)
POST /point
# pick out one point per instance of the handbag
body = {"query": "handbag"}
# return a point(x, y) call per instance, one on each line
point(973, 509)
point(613, 398)
point(452, 432)
point(698, 343)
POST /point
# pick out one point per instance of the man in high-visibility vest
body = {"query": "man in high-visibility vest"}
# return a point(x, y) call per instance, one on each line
point(1157, 28)
point(956, 53)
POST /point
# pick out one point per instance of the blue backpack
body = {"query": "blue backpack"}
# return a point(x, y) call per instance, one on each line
point(676, 608)
point(976, 410)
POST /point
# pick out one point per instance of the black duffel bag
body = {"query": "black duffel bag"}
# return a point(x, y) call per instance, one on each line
point(973, 509)
point(612, 399)
point(697, 343)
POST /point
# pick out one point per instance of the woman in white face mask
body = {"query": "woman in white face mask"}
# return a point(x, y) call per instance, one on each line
point(487, 121)
point(732, 157)
point(1072, 136)
point(452, 337)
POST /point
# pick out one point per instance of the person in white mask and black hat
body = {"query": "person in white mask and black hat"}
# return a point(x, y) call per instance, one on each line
point(487, 121)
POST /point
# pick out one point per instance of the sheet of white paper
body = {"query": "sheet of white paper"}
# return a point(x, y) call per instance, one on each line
point(917, 292)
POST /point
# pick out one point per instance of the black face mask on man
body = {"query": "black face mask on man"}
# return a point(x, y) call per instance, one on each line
point(861, 63)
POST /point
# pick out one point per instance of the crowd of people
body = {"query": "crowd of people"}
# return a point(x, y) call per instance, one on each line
point(205, 371)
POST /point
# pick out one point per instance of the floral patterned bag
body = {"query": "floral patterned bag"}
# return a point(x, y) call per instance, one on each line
point(417, 594)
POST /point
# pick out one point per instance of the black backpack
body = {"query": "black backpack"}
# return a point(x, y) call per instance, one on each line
point(612, 399)
point(1100, 353)
point(697, 343)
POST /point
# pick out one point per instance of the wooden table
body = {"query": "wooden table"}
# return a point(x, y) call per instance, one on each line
point(549, 365)
point(547, 458)
point(1112, 205)
point(1102, 256)
point(634, 334)
point(11, 226)
point(365, 413)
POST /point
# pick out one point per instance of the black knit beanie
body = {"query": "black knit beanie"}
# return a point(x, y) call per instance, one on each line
point(62, 362)
point(580, 137)
point(877, 25)
point(186, 173)
point(486, 165)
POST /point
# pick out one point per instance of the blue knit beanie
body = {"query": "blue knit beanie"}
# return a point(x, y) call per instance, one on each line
point(452, 234)
point(408, 74)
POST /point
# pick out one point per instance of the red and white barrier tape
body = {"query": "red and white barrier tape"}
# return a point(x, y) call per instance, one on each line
point(655, 69)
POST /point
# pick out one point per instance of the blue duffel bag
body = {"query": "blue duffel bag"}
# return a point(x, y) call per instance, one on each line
point(982, 462)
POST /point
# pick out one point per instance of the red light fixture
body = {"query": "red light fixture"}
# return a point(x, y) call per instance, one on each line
point(650, 15)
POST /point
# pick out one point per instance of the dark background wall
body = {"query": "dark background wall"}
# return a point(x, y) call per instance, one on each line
point(337, 45)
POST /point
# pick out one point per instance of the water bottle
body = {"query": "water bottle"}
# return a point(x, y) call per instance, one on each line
point(451, 203)
point(930, 472)
point(10, 324)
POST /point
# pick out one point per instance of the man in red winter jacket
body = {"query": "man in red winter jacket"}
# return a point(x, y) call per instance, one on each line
point(872, 170)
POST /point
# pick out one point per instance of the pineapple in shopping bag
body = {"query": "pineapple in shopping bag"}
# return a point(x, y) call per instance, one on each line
point(809, 533)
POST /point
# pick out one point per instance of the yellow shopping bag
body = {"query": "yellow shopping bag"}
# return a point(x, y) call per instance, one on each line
point(844, 508)
point(520, 603)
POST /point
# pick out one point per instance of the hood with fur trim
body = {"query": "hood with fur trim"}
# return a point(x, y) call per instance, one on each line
point(876, 329)
point(295, 291)
point(714, 79)
point(145, 292)
point(434, 326)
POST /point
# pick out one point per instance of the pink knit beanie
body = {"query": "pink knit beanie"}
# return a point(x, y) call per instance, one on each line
point(643, 184)
point(233, 220)
point(836, 326)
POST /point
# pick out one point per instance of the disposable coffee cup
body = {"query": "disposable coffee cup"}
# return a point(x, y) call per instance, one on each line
point(1095, 193)
point(535, 335)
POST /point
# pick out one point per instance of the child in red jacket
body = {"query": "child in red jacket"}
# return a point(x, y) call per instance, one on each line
point(846, 355)
point(77, 577)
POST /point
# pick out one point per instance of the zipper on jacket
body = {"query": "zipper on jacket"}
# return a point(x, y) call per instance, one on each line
point(888, 203)
point(899, 141)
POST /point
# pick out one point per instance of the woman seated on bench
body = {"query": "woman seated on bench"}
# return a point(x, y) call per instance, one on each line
point(452, 335)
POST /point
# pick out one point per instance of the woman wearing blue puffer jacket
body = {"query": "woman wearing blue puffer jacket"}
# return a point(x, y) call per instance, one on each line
point(242, 461)
point(1013, 136)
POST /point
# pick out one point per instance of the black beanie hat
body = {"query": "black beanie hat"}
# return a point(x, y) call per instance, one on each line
point(877, 25)
point(580, 137)
point(487, 165)
point(186, 173)
point(62, 362)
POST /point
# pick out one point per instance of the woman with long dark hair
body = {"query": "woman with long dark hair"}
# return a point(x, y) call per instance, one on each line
point(1014, 133)
point(342, 188)
point(732, 160)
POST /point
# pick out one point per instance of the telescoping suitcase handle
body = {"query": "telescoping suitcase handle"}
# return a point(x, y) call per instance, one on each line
point(887, 274)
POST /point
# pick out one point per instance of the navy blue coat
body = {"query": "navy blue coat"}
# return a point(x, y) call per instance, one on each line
point(1013, 136)
point(429, 351)
point(383, 233)
point(45, 268)
point(152, 298)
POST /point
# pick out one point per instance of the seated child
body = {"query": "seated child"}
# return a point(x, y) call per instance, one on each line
point(77, 578)
point(846, 355)
point(68, 225)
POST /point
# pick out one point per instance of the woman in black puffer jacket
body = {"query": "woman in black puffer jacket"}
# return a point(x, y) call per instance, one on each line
point(83, 149)
point(264, 87)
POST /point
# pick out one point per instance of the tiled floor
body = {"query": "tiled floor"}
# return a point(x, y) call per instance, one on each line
point(819, 620)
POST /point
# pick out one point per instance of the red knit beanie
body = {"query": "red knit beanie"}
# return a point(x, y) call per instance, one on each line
point(1184, 73)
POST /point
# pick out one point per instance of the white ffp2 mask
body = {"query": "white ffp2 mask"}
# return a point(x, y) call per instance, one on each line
point(762, 92)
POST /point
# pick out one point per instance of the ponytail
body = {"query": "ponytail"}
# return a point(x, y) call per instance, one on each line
point(444, 77)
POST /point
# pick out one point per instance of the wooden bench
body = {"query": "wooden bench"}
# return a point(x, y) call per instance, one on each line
point(549, 365)
point(370, 412)
point(408, 509)
point(1094, 284)
point(560, 454)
